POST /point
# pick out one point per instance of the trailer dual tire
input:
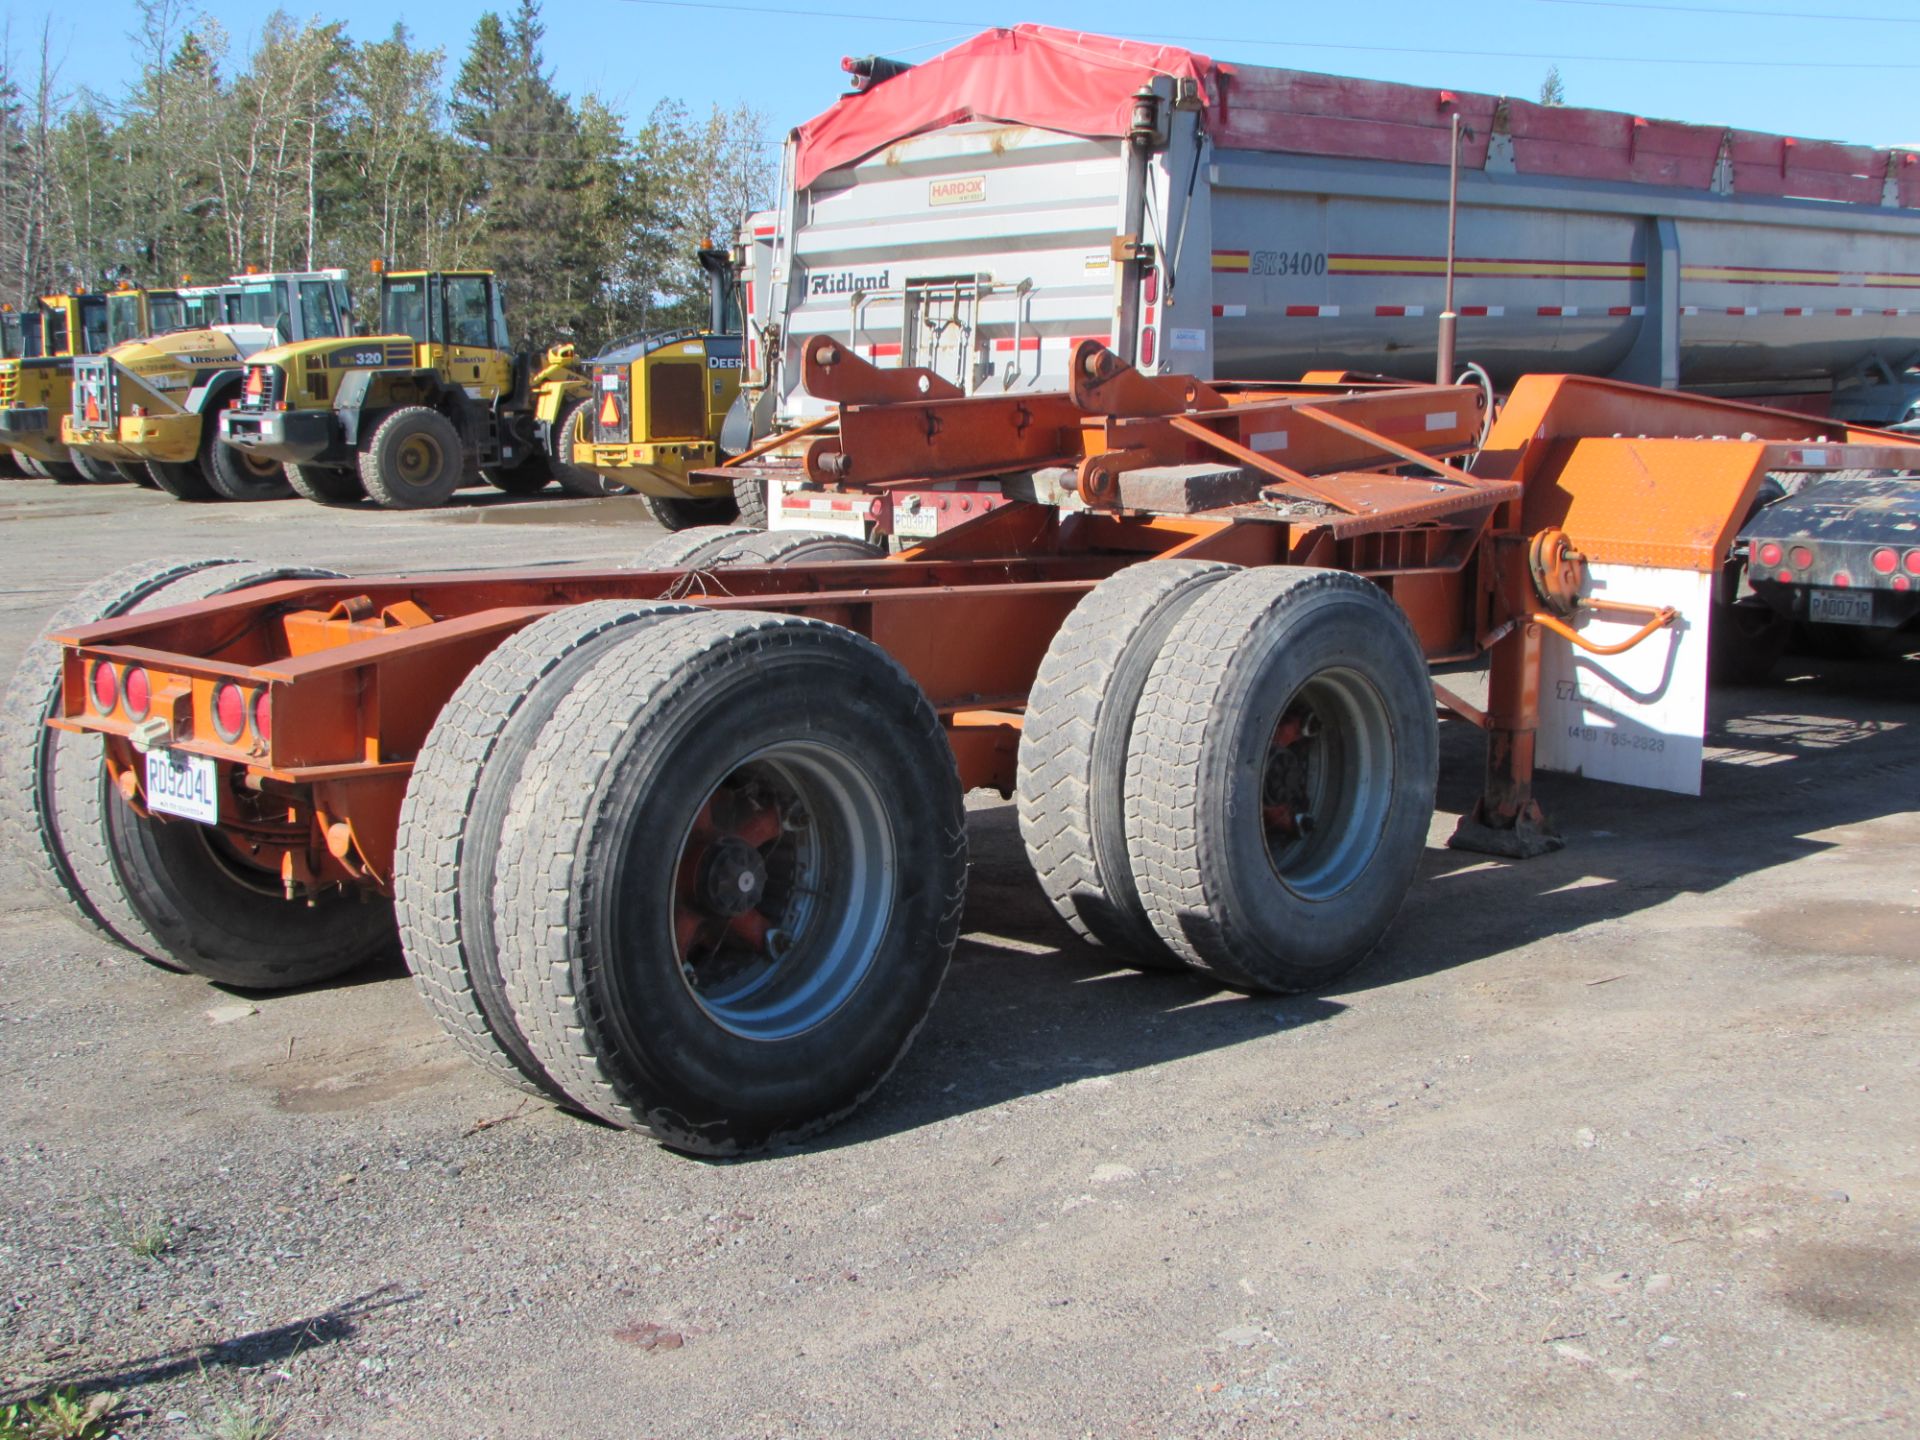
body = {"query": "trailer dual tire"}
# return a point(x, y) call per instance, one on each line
point(449, 838)
point(173, 891)
point(183, 480)
point(731, 879)
point(35, 754)
point(326, 484)
point(672, 512)
point(687, 549)
point(413, 460)
point(794, 547)
point(1280, 777)
point(1073, 750)
point(577, 479)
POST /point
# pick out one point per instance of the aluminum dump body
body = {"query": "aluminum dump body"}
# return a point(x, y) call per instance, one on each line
point(979, 214)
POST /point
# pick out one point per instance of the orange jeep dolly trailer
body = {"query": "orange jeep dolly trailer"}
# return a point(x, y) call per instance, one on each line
point(683, 845)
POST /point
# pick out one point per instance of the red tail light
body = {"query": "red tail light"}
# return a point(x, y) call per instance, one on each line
point(1801, 557)
point(229, 711)
point(262, 719)
point(105, 686)
point(1146, 347)
point(1885, 562)
point(1152, 294)
point(138, 692)
point(1912, 562)
point(1770, 553)
point(1842, 579)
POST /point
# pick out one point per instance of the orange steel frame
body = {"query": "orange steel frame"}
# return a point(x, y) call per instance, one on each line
point(1368, 478)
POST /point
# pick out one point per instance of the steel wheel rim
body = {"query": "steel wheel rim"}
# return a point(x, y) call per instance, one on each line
point(810, 903)
point(418, 460)
point(1327, 784)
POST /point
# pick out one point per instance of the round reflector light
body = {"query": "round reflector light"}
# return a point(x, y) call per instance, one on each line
point(1900, 582)
point(229, 710)
point(1885, 562)
point(106, 688)
point(262, 718)
point(1801, 557)
point(1842, 579)
point(138, 692)
point(1785, 577)
point(1770, 553)
point(1912, 562)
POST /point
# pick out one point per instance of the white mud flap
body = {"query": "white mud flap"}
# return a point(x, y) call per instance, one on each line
point(1638, 718)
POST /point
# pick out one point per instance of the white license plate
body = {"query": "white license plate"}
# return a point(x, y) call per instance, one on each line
point(1840, 607)
point(182, 785)
point(921, 522)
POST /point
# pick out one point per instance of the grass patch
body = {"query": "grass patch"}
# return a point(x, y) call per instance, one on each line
point(63, 1414)
point(236, 1420)
point(145, 1236)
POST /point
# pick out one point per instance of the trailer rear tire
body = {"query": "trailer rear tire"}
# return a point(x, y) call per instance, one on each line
point(413, 460)
point(1280, 778)
point(687, 549)
point(1073, 750)
point(85, 792)
point(577, 479)
point(450, 823)
point(677, 513)
point(94, 472)
point(181, 480)
point(35, 754)
point(796, 547)
point(326, 484)
point(731, 879)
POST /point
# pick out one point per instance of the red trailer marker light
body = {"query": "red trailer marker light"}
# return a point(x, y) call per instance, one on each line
point(1885, 562)
point(1800, 556)
point(229, 711)
point(1841, 579)
point(1785, 577)
point(105, 686)
point(138, 692)
point(1146, 347)
point(1770, 553)
point(1900, 582)
point(262, 719)
point(1912, 562)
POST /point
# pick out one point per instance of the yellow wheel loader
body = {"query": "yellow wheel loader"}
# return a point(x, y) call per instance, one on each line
point(155, 402)
point(404, 417)
point(656, 410)
point(38, 350)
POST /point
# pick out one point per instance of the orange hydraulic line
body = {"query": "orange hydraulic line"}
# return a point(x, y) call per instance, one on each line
point(1659, 620)
point(774, 442)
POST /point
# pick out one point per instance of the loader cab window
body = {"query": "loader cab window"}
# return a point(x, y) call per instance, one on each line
point(166, 312)
point(123, 317)
point(723, 292)
point(403, 308)
point(13, 344)
point(319, 310)
point(95, 335)
point(469, 311)
point(53, 330)
point(262, 304)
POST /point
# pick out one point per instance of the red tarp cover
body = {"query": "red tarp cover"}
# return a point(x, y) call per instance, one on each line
point(1029, 75)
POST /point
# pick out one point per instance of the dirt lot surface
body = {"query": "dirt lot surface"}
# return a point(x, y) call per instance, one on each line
point(1619, 1142)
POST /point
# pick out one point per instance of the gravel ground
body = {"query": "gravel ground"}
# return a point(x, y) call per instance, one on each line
point(1621, 1141)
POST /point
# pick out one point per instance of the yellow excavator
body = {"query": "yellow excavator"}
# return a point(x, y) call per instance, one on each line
point(405, 416)
point(38, 350)
point(155, 402)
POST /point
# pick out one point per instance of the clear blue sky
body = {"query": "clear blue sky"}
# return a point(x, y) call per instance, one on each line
point(1842, 69)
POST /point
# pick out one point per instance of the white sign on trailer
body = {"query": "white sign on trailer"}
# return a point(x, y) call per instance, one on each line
point(1637, 718)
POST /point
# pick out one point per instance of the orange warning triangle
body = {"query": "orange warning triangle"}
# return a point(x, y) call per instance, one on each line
point(93, 409)
point(609, 410)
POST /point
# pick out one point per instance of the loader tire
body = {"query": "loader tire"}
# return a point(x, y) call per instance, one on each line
point(1073, 750)
point(687, 549)
point(731, 879)
point(61, 472)
point(233, 474)
point(577, 479)
point(1280, 777)
point(85, 793)
point(413, 460)
point(182, 480)
point(750, 499)
point(450, 822)
point(678, 513)
point(34, 754)
point(92, 471)
point(327, 484)
point(529, 477)
point(10, 464)
point(134, 474)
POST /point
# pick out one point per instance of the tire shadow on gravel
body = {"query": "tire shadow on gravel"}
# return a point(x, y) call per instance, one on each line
point(253, 1350)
